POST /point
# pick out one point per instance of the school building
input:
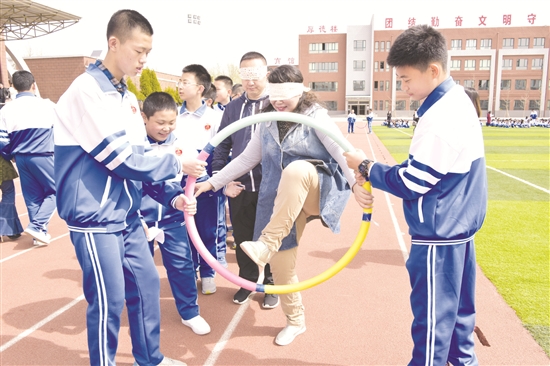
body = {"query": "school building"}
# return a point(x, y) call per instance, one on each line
point(503, 56)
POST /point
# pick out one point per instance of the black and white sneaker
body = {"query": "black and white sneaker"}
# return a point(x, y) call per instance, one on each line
point(271, 301)
point(242, 296)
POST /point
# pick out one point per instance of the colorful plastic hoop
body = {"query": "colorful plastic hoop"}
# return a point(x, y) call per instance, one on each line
point(274, 289)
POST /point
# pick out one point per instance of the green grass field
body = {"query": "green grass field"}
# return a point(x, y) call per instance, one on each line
point(512, 247)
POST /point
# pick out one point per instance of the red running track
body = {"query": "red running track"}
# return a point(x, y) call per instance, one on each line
point(359, 317)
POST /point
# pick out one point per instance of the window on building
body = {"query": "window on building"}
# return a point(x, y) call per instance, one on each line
point(483, 85)
point(484, 104)
point(382, 45)
point(523, 42)
point(504, 104)
point(505, 84)
point(486, 44)
point(329, 47)
point(519, 105)
point(387, 85)
point(382, 65)
point(322, 86)
point(485, 64)
point(387, 67)
point(456, 44)
point(376, 46)
point(388, 46)
point(315, 67)
point(359, 65)
point(359, 45)
point(376, 86)
point(468, 83)
point(471, 44)
point(375, 105)
point(536, 64)
point(358, 85)
point(457, 82)
point(469, 64)
point(381, 86)
point(375, 66)
point(521, 84)
point(538, 42)
point(455, 65)
point(521, 64)
point(536, 84)
point(400, 105)
point(534, 105)
point(507, 64)
point(387, 105)
point(414, 105)
point(398, 84)
point(331, 105)
point(508, 43)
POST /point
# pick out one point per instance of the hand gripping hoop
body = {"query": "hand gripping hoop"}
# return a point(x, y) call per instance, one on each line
point(273, 289)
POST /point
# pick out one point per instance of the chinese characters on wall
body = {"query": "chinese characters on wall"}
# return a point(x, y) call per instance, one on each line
point(434, 21)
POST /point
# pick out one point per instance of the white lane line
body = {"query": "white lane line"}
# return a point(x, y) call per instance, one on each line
point(506, 174)
point(398, 232)
point(519, 179)
point(28, 250)
point(40, 324)
point(220, 345)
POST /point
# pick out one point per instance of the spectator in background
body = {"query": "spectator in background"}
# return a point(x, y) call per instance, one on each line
point(224, 86)
point(10, 225)
point(26, 132)
point(237, 91)
point(210, 96)
point(351, 121)
point(4, 95)
point(488, 123)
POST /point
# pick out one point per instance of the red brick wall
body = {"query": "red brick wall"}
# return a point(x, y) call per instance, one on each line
point(54, 75)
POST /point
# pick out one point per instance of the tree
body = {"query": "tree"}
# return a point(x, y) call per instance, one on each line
point(174, 93)
point(149, 82)
point(230, 70)
point(132, 87)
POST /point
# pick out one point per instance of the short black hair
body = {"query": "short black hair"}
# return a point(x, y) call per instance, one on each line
point(201, 74)
point(158, 101)
point(22, 80)
point(253, 56)
point(417, 47)
point(226, 80)
point(123, 22)
point(211, 94)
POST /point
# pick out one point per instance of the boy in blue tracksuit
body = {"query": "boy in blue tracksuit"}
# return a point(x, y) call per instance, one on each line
point(443, 185)
point(196, 125)
point(165, 223)
point(26, 133)
point(99, 144)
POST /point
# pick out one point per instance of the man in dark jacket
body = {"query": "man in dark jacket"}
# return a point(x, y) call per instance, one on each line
point(243, 194)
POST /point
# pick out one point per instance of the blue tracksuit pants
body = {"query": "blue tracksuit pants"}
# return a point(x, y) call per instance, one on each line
point(206, 220)
point(443, 303)
point(37, 183)
point(177, 259)
point(118, 267)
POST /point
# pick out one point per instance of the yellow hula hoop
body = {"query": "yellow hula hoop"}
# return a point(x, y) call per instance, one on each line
point(275, 289)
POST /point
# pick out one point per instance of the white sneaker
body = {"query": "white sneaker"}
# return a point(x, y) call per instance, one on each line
point(198, 325)
point(208, 285)
point(41, 238)
point(257, 251)
point(167, 361)
point(287, 335)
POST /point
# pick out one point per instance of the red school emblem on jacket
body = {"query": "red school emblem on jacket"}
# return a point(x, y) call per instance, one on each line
point(134, 109)
point(207, 126)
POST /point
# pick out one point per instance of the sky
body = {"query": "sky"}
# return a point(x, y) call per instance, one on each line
point(230, 28)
